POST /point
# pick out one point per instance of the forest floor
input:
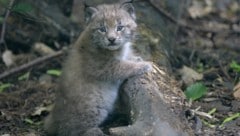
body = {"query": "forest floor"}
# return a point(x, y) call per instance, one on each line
point(211, 55)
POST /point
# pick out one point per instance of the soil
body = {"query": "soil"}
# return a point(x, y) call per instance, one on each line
point(25, 104)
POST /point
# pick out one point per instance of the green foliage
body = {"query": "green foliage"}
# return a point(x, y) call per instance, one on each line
point(208, 124)
point(22, 7)
point(195, 91)
point(1, 20)
point(54, 72)
point(4, 86)
point(235, 66)
point(200, 67)
point(212, 111)
point(228, 119)
point(29, 121)
point(4, 2)
point(24, 76)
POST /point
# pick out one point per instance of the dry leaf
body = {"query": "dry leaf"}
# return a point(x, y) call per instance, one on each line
point(236, 93)
point(8, 58)
point(189, 75)
point(43, 49)
point(40, 110)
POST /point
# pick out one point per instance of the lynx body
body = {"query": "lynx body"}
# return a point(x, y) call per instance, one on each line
point(100, 60)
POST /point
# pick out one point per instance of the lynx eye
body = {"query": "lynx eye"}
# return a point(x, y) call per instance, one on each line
point(119, 28)
point(102, 29)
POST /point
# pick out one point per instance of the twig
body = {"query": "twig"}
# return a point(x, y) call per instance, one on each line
point(203, 114)
point(5, 21)
point(224, 70)
point(30, 64)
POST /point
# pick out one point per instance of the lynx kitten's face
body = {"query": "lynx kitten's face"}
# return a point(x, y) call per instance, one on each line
point(113, 26)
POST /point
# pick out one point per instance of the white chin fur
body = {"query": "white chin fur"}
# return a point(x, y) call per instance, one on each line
point(115, 47)
point(126, 51)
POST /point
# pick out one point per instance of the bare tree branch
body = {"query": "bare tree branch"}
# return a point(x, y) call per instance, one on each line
point(30, 64)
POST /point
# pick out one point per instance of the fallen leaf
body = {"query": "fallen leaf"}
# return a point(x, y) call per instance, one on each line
point(43, 49)
point(235, 66)
point(189, 76)
point(40, 110)
point(4, 86)
point(8, 58)
point(236, 93)
point(54, 72)
point(24, 76)
point(195, 91)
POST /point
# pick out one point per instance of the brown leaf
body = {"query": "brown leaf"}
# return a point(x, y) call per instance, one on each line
point(236, 93)
point(189, 75)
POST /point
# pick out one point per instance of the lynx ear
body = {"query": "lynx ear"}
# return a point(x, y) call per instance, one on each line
point(89, 12)
point(129, 8)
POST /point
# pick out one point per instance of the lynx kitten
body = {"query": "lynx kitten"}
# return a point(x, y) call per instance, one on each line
point(99, 62)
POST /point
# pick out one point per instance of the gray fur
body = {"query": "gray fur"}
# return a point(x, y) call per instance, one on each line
point(93, 72)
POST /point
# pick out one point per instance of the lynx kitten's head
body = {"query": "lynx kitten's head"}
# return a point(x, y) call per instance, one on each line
point(112, 25)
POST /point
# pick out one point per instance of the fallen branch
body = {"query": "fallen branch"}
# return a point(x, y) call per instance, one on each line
point(30, 64)
point(5, 21)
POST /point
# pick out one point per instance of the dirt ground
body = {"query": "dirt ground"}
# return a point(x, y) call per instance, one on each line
point(29, 94)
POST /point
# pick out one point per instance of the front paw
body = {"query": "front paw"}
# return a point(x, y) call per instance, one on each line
point(136, 59)
point(145, 67)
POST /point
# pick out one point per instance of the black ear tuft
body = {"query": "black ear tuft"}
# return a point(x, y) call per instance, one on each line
point(89, 12)
point(129, 8)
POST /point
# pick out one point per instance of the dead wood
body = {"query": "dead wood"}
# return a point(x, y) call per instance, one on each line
point(155, 107)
